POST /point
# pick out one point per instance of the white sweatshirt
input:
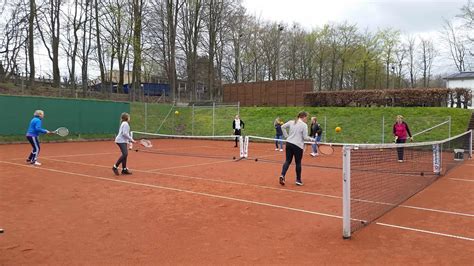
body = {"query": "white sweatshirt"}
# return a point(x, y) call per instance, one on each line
point(298, 132)
point(124, 133)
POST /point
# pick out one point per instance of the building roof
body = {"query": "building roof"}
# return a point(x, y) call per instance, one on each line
point(461, 75)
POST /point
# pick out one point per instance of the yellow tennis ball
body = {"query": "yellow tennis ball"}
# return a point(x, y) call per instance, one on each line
point(281, 123)
point(176, 112)
point(338, 129)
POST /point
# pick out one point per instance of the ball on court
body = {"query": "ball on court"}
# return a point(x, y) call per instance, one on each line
point(233, 158)
point(422, 174)
point(176, 112)
point(256, 159)
point(338, 129)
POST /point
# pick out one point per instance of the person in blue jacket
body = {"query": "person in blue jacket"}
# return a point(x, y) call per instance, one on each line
point(34, 130)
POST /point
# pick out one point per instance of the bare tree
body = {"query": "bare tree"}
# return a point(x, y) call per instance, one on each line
point(411, 50)
point(456, 44)
point(31, 43)
point(49, 26)
point(427, 55)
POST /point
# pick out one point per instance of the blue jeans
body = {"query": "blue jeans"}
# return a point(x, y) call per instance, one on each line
point(314, 146)
point(279, 141)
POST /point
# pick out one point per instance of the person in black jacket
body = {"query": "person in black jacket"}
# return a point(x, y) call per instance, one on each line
point(238, 125)
point(278, 134)
point(316, 132)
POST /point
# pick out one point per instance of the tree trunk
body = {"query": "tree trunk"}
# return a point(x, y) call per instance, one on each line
point(31, 44)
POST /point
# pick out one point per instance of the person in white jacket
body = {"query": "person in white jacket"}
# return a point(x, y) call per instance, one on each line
point(295, 144)
point(123, 139)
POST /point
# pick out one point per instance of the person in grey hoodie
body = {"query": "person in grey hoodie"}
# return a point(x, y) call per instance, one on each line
point(123, 139)
point(298, 134)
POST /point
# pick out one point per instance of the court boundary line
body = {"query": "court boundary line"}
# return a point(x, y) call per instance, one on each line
point(276, 189)
point(238, 200)
point(462, 179)
point(69, 155)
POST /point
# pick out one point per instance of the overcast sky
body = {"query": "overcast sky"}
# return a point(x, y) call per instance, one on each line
point(409, 16)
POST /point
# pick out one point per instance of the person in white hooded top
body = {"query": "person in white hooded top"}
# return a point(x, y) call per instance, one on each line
point(123, 139)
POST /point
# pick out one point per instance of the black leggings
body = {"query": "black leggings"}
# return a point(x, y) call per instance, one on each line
point(237, 132)
point(123, 159)
point(400, 150)
point(297, 152)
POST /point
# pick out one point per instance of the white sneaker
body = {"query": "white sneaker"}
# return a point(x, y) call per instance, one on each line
point(313, 154)
point(276, 149)
point(36, 163)
point(400, 161)
point(281, 149)
point(299, 183)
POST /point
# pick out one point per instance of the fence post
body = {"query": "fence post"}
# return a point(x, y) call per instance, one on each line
point(449, 130)
point(192, 123)
point(383, 129)
point(213, 116)
point(325, 130)
point(146, 117)
point(238, 108)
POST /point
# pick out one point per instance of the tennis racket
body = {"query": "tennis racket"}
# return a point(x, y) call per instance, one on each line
point(146, 143)
point(62, 131)
point(325, 149)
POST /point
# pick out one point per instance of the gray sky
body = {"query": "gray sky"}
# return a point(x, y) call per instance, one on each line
point(411, 17)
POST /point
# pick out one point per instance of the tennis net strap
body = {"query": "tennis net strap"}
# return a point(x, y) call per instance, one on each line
point(379, 177)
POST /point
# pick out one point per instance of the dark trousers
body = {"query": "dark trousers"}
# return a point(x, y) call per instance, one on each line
point(123, 159)
point(400, 150)
point(34, 141)
point(293, 151)
point(237, 132)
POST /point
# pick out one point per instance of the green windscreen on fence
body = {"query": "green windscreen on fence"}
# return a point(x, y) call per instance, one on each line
point(79, 116)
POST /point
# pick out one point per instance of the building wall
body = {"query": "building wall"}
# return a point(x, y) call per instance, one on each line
point(268, 93)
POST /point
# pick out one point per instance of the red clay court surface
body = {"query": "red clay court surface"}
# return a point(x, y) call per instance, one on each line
point(196, 210)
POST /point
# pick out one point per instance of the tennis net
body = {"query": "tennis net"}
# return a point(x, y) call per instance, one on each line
point(379, 177)
point(191, 146)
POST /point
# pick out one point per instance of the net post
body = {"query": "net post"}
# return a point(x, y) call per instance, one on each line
point(246, 147)
point(346, 190)
point(241, 146)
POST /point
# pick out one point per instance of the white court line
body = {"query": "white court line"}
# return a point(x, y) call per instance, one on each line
point(71, 155)
point(425, 231)
point(237, 200)
point(189, 165)
point(276, 189)
point(461, 179)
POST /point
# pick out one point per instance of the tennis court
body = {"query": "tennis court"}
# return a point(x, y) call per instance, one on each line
point(193, 203)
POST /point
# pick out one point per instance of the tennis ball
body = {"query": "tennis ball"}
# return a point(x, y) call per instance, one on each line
point(233, 158)
point(338, 129)
point(256, 159)
point(281, 123)
point(176, 112)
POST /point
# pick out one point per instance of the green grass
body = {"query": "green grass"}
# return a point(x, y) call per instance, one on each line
point(359, 125)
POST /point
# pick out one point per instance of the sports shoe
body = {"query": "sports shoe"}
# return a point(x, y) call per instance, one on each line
point(282, 180)
point(313, 154)
point(400, 161)
point(28, 160)
point(36, 163)
point(276, 149)
point(281, 149)
point(126, 172)
point(115, 169)
point(299, 183)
